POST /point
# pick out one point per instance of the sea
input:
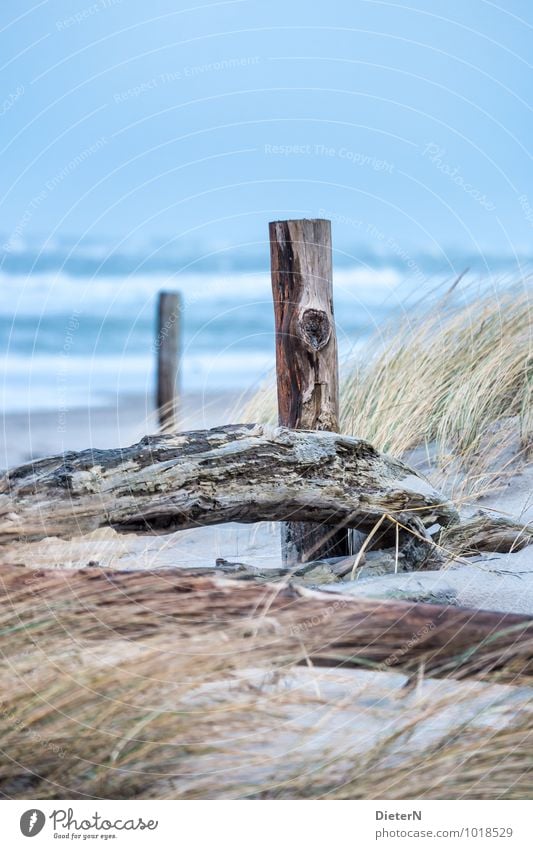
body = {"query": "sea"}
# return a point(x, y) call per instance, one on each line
point(77, 320)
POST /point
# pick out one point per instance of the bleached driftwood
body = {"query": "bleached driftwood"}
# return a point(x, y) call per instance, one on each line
point(243, 473)
point(485, 532)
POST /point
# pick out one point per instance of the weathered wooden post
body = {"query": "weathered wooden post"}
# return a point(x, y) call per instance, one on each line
point(167, 346)
point(306, 358)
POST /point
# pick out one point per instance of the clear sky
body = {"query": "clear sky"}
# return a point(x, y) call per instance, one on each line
point(406, 123)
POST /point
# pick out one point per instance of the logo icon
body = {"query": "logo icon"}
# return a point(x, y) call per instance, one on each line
point(32, 822)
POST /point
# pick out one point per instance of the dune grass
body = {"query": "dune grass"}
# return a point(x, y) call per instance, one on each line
point(457, 379)
point(93, 707)
point(179, 716)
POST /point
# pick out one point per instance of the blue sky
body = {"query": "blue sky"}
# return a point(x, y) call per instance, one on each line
point(407, 124)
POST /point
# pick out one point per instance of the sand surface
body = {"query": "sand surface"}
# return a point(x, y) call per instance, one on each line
point(328, 719)
point(33, 434)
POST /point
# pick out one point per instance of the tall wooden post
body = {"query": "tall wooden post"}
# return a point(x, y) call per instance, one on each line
point(167, 347)
point(306, 358)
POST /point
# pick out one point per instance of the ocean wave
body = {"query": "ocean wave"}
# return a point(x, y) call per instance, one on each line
point(54, 382)
point(60, 293)
point(86, 337)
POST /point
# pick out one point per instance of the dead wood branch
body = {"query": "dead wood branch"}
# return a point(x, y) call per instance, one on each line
point(244, 473)
point(487, 533)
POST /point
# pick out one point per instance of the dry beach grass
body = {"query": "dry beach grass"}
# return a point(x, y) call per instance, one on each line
point(112, 695)
point(458, 379)
point(95, 705)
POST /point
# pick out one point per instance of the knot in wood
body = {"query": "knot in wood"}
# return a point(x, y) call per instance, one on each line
point(316, 329)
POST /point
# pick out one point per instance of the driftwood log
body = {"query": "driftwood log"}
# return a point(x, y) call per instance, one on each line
point(488, 533)
point(243, 473)
point(285, 624)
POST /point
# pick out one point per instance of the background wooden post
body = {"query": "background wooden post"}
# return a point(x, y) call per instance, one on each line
point(306, 358)
point(167, 346)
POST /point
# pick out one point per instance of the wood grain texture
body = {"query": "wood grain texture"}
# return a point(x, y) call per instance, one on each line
point(306, 356)
point(285, 623)
point(486, 532)
point(167, 347)
point(306, 342)
point(243, 473)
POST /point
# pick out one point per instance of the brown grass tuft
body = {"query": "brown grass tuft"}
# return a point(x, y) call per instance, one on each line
point(115, 691)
